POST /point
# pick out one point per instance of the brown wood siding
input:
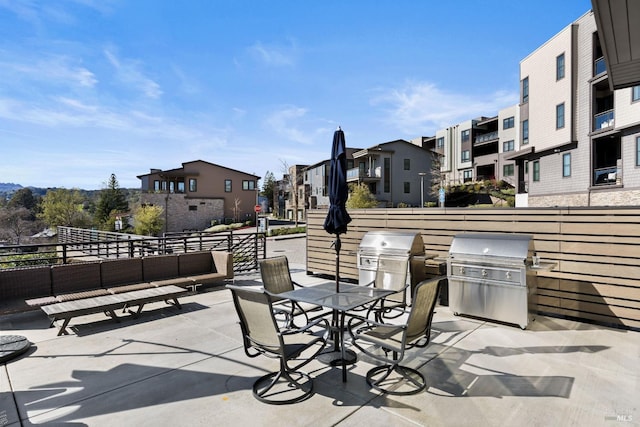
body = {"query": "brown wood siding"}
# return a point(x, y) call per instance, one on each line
point(597, 251)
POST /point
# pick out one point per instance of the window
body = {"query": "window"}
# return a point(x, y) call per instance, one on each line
point(638, 151)
point(566, 164)
point(227, 186)
point(635, 93)
point(508, 123)
point(248, 185)
point(507, 170)
point(560, 116)
point(508, 146)
point(525, 132)
point(465, 155)
point(440, 142)
point(180, 186)
point(407, 164)
point(193, 208)
point(525, 90)
point(467, 175)
point(193, 185)
point(407, 187)
point(156, 185)
point(560, 67)
point(536, 170)
point(466, 135)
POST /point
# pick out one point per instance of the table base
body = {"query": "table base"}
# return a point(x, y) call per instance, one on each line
point(334, 357)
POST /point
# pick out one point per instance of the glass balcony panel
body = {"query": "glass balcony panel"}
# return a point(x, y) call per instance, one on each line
point(603, 120)
point(600, 66)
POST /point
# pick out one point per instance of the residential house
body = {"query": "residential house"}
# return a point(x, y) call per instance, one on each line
point(290, 195)
point(200, 193)
point(316, 180)
point(396, 172)
point(580, 138)
point(574, 137)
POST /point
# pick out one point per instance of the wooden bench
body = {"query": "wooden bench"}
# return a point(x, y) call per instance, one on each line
point(109, 304)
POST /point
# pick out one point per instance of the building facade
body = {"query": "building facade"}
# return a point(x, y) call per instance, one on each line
point(396, 172)
point(584, 136)
point(199, 194)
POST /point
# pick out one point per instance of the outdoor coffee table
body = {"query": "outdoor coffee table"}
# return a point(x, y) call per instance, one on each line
point(348, 298)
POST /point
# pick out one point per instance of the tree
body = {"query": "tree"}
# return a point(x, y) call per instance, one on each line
point(16, 222)
point(111, 201)
point(65, 208)
point(361, 197)
point(436, 175)
point(269, 187)
point(24, 198)
point(148, 220)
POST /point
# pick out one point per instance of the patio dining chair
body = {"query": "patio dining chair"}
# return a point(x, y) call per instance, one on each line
point(395, 339)
point(293, 347)
point(276, 278)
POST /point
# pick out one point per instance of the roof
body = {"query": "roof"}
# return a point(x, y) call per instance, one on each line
point(619, 33)
point(178, 172)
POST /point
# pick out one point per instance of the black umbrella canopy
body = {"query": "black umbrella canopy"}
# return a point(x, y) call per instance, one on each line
point(338, 217)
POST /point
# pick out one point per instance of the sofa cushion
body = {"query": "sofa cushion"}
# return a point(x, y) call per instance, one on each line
point(31, 282)
point(124, 271)
point(68, 278)
point(159, 267)
point(192, 263)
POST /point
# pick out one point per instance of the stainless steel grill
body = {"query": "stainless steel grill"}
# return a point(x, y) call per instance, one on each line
point(395, 244)
point(490, 276)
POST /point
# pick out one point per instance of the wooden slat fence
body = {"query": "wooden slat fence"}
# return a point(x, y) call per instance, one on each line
point(597, 251)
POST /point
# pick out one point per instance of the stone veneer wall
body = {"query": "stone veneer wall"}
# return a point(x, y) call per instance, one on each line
point(179, 217)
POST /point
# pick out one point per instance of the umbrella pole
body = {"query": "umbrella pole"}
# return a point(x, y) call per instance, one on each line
point(338, 244)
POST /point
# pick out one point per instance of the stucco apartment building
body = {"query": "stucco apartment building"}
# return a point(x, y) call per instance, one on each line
point(571, 141)
point(198, 193)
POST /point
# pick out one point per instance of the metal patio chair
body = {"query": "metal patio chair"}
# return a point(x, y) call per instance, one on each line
point(396, 339)
point(276, 278)
point(262, 336)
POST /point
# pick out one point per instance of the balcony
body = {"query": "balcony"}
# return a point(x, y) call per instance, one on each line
point(357, 174)
point(487, 137)
point(603, 120)
point(605, 176)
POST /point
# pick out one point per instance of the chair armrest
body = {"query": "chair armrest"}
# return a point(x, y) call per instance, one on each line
point(306, 327)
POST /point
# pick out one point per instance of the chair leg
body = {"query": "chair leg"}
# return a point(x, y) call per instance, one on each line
point(265, 389)
point(377, 376)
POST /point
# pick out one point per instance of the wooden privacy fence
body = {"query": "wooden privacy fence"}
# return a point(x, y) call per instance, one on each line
point(597, 251)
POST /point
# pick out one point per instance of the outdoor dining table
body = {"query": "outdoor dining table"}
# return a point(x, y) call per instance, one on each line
point(347, 298)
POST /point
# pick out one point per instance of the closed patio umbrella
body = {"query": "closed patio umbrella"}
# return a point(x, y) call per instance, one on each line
point(338, 217)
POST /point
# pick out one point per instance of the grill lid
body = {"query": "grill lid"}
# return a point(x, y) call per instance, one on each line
point(512, 246)
point(386, 241)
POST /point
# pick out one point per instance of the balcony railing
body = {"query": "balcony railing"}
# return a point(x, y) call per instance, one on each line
point(605, 176)
point(486, 137)
point(599, 66)
point(603, 120)
point(358, 174)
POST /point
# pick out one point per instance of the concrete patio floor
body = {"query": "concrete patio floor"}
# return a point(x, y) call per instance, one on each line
point(188, 368)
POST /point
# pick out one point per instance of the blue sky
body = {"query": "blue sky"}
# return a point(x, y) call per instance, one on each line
point(94, 87)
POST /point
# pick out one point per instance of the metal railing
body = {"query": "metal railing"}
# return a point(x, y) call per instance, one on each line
point(605, 176)
point(76, 244)
point(486, 137)
point(603, 120)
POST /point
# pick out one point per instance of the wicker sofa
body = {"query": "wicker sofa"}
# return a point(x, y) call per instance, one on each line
point(43, 285)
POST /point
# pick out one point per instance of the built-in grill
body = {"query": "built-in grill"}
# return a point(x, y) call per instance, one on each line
point(395, 244)
point(490, 276)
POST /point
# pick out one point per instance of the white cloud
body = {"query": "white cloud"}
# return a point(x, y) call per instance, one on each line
point(423, 108)
point(277, 56)
point(129, 72)
point(284, 122)
point(56, 69)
